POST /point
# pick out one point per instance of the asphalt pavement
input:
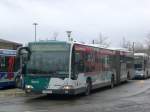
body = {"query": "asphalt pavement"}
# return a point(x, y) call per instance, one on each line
point(132, 96)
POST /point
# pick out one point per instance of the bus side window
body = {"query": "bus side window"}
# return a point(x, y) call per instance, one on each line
point(79, 62)
point(17, 64)
point(145, 64)
point(90, 62)
point(24, 67)
point(2, 64)
point(107, 62)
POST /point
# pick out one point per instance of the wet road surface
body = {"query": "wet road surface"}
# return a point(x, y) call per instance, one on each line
point(133, 96)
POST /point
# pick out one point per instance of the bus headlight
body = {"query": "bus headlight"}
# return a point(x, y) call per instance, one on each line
point(29, 87)
point(141, 74)
point(67, 87)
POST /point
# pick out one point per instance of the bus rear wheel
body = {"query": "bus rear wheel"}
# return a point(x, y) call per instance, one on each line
point(88, 88)
point(112, 82)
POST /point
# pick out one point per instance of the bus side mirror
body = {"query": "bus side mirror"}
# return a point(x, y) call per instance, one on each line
point(24, 52)
point(24, 69)
point(74, 75)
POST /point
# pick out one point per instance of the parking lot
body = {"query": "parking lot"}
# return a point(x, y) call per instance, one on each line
point(132, 96)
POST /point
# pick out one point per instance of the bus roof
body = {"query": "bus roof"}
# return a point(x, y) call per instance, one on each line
point(7, 52)
point(140, 54)
point(119, 49)
point(47, 41)
point(103, 47)
point(69, 42)
point(74, 42)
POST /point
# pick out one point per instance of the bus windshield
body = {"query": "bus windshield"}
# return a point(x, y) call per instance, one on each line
point(49, 62)
point(138, 63)
point(138, 66)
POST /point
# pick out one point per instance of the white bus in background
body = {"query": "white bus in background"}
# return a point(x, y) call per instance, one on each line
point(141, 65)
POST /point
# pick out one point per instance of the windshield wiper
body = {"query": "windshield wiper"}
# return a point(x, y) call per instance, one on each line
point(58, 74)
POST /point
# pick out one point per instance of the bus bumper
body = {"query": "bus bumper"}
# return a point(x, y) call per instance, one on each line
point(139, 77)
point(57, 91)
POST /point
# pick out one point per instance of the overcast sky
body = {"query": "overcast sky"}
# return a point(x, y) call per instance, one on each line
point(86, 18)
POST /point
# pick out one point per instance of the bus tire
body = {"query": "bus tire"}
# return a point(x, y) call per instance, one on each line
point(17, 82)
point(112, 81)
point(128, 76)
point(88, 87)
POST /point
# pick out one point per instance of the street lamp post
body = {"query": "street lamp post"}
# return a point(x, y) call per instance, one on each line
point(69, 35)
point(35, 24)
point(133, 47)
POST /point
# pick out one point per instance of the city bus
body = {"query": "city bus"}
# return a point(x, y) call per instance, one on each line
point(126, 65)
point(8, 68)
point(141, 65)
point(59, 67)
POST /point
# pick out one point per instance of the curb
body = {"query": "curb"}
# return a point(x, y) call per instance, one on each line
point(12, 92)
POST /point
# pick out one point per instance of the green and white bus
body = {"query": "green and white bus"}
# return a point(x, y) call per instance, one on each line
point(58, 67)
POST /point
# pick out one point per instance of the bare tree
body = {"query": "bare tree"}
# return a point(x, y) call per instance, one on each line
point(138, 47)
point(147, 41)
point(132, 46)
point(55, 35)
point(102, 41)
point(126, 44)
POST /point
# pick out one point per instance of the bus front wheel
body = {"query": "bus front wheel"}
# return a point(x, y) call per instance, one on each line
point(18, 82)
point(88, 87)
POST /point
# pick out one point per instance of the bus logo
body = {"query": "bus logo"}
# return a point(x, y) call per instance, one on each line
point(34, 82)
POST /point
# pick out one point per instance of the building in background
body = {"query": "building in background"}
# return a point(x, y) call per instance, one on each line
point(6, 44)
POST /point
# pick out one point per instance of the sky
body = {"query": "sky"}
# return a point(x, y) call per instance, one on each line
point(86, 19)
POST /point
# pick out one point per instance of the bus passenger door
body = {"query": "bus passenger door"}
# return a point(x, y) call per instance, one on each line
point(78, 68)
point(117, 66)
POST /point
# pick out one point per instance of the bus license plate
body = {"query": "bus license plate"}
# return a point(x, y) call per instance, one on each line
point(47, 91)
